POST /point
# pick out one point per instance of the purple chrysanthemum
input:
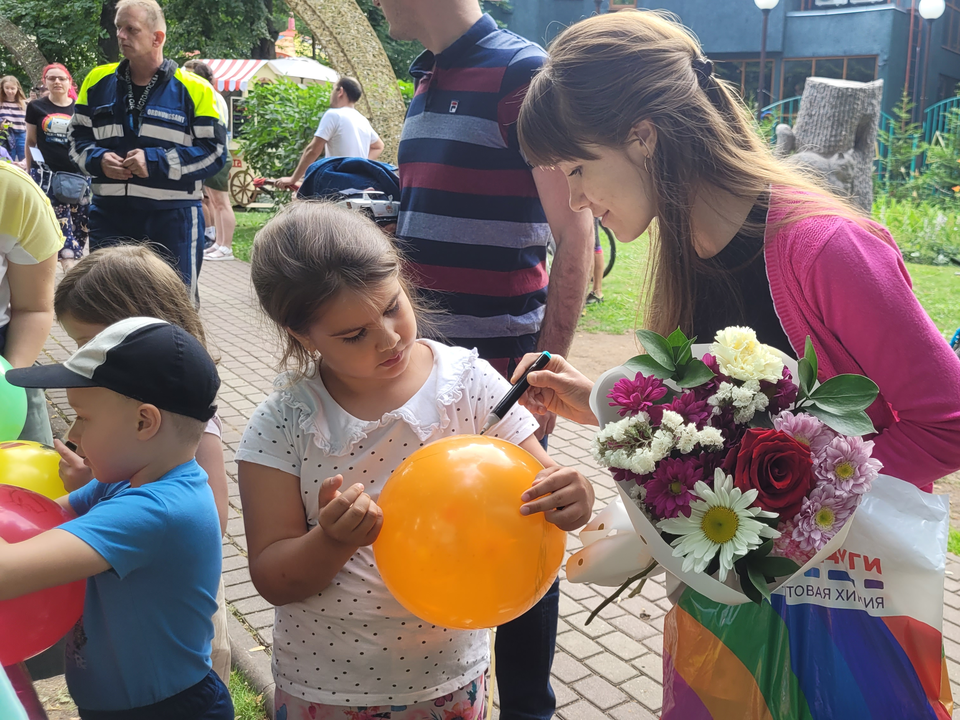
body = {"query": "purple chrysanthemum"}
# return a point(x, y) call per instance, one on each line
point(805, 429)
point(621, 475)
point(670, 485)
point(782, 394)
point(822, 515)
point(631, 397)
point(846, 463)
point(786, 546)
point(690, 409)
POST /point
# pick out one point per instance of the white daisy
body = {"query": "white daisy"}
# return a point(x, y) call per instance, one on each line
point(723, 520)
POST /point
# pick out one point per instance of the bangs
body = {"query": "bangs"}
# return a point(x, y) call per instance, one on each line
point(548, 131)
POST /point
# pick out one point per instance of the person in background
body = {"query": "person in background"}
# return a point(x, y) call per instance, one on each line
point(149, 133)
point(217, 205)
point(29, 240)
point(48, 127)
point(475, 222)
point(13, 107)
point(343, 132)
point(595, 296)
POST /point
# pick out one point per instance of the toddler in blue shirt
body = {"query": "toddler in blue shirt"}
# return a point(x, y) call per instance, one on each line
point(146, 533)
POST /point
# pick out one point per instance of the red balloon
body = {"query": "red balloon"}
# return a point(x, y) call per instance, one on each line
point(32, 623)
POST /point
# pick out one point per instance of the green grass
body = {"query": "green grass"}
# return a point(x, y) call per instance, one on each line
point(248, 222)
point(937, 287)
point(621, 288)
point(247, 702)
point(953, 542)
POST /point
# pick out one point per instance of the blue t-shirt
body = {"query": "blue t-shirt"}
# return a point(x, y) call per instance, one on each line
point(146, 628)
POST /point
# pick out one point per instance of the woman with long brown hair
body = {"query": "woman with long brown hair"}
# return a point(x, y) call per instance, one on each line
point(739, 238)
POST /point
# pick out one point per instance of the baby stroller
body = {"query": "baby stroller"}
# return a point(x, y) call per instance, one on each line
point(367, 186)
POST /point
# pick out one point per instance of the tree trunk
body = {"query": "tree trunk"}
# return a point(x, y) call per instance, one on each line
point(835, 134)
point(23, 50)
point(109, 45)
point(352, 47)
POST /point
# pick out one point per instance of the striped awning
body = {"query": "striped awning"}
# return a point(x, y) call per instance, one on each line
point(233, 75)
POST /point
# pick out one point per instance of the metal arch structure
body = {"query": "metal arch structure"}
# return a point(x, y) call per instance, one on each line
point(352, 48)
point(24, 50)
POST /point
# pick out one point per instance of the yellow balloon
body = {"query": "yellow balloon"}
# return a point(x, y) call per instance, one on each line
point(454, 549)
point(32, 466)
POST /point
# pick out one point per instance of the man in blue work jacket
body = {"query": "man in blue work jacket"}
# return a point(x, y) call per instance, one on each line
point(148, 133)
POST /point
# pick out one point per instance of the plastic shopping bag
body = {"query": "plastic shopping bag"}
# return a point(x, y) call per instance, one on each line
point(858, 636)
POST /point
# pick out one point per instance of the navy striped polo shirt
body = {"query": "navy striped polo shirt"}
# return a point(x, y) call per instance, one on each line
point(473, 229)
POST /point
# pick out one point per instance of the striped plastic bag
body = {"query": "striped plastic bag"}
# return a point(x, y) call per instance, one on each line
point(859, 636)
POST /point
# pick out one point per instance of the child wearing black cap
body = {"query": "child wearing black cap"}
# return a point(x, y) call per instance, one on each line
point(146, 536)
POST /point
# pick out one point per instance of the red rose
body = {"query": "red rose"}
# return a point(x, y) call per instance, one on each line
point(778, 467)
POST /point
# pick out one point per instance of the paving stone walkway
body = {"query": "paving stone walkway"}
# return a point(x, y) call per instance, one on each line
point(610, 668)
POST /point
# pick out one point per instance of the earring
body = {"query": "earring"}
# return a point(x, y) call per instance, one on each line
point(646, 164)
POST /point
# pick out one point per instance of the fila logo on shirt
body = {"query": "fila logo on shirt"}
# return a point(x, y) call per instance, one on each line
point(454, 104)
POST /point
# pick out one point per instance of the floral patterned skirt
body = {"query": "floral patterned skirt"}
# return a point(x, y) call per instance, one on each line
point(467, 703)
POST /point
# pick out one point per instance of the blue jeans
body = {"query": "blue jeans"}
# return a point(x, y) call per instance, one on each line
point(19, 143)
point(524, 649)
point(174, 234)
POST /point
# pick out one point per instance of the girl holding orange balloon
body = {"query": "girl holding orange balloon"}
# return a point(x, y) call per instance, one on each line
point(364, 395)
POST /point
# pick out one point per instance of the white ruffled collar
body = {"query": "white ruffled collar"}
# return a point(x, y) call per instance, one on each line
point(335, 431)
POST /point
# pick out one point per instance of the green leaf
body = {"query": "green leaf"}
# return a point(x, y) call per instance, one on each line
point(746, 584)
point(762, 551)
point(759, 581)
point(695, 373)
point(657, 347)
point(777, 566)
point(676, 338)
point(761, 420)
point(844, 394)
point(807, 377)
point(648, 366)
point(854, 424)
point(683, 354)
point(810, 355)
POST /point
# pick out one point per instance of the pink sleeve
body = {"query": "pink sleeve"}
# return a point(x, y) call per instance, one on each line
point(862, 290)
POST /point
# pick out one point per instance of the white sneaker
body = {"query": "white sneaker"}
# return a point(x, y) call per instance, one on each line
point(219, 252)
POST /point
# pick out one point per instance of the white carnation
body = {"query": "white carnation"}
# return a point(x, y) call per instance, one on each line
point(740, 355)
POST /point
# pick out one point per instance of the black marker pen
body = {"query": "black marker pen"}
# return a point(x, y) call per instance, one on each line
point(510, 399)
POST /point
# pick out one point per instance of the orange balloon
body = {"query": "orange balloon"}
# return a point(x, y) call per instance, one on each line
point(454, 549)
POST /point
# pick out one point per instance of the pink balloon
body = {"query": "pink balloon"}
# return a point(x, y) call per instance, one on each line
point(32, 623)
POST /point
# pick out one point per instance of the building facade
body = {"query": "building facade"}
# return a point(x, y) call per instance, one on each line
point(854, 39)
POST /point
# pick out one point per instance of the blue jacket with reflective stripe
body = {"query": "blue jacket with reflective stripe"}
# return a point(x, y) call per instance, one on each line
point(180, 132)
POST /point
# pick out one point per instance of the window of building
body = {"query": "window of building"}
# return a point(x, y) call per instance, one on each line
point(951, 27)
point(796, 71)
point(744, 75)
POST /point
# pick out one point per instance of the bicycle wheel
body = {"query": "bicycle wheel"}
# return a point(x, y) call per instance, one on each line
point(610, 248)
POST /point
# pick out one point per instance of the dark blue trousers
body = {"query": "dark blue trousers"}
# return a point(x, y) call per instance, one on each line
point(175, 234)
point(209, 699)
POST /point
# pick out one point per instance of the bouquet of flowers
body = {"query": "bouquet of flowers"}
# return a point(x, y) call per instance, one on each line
point(735, 470)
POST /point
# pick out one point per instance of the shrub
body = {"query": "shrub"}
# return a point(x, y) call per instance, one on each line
point(925, 232)
point(280, 118)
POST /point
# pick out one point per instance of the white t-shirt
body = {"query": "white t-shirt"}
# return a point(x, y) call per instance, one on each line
point(354, 644)
point(347, 132)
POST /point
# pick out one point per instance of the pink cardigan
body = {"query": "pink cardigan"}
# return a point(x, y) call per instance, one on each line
point(851, 293)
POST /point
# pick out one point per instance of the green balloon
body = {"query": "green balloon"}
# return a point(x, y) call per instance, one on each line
point(13, 406)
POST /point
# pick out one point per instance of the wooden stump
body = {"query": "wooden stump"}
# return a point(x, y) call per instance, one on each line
point(835, 134)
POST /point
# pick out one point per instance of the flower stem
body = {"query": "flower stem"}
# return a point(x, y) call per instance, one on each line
point(629, 581)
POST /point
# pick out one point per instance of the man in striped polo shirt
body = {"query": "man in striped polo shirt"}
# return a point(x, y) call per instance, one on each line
point(476, 220)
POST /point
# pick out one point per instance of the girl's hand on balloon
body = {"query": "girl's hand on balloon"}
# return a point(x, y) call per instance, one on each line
point(559, 388)
point(73, 471)
point(563, 495)
point(350, 517)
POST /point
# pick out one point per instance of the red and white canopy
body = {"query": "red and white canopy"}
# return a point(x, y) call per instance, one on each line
point(231, 75)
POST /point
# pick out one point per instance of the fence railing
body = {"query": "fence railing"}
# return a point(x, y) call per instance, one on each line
point(935, 121)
